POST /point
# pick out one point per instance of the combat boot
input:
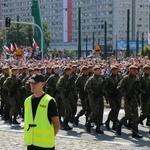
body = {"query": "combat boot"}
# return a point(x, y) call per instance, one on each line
point(88, 126)
point(141, 120)
point(114, 125)
point(147, 122)
point(15, 121)
point(66, 126)
point(10, 120)
point(135, 134)
point(76, 120)
point(98, 130)
point(118, 130)
point(107, 124)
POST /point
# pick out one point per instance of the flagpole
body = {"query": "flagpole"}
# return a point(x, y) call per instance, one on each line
point(29, 23)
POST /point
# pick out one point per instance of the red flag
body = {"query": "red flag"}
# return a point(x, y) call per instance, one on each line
point(12, 49)
point(35, 45)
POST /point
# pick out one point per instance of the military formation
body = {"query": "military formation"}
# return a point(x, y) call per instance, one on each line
point(89, 81)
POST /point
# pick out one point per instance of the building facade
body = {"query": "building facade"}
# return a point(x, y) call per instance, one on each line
point(62, 19)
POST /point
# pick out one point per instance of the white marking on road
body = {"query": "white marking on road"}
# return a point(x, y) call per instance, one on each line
point(123, 143)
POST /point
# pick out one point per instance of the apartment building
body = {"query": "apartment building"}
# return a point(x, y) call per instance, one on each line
point(62, 19)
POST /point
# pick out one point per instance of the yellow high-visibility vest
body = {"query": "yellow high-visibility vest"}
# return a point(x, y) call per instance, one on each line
point(38, 132)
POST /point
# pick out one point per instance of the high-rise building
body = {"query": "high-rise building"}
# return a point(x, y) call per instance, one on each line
point(62, 19)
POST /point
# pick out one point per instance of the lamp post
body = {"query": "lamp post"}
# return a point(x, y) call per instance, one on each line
point(142, 43)
point(79, 32)
point(86, 45)
point(105, 40)
point(137, 40)
point(116, 51)
point(128, 35)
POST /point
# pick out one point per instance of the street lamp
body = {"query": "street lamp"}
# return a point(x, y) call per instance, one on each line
point(137, 40)
point(116, 51)
point(142, 43)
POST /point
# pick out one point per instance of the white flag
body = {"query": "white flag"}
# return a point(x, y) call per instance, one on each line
point(148, 38)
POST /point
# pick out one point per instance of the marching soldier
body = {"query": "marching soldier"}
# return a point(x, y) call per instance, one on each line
point(64, 86)
point(114, 101)
point(80, 82)
point(12, 85)
point(145, 95)
point(127, 88)
point(5, 106)
point(94, 87)
point(52, 90)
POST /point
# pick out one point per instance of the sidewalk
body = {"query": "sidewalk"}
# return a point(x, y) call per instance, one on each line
point(14, 141)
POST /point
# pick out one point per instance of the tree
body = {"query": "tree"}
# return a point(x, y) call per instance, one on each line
point(25, 35)
point(146, 51)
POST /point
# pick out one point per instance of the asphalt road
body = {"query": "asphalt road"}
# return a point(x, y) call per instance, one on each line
point(109, 137)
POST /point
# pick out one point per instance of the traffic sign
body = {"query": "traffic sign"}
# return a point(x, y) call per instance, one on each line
point(97, 49)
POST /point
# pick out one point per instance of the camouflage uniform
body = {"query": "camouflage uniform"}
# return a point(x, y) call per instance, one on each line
point(80, 82)
point(114, 101)
point(94, 88)
point(5, 106)
point(22, 94)
point(12, 85)
point(64, 86)
point(145, 97)
point(128, 87)
point(51, 90)
point(73, 95)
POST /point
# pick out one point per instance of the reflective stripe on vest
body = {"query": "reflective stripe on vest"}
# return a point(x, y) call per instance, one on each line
point(38, 132)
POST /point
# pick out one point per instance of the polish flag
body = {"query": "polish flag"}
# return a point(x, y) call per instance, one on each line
point(148, 38)
point(12, 48)
point(35, 45)
point(5, 48)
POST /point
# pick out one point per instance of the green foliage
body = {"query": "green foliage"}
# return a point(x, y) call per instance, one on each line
point(70, 54)
point(146, 51)
point(24, 36)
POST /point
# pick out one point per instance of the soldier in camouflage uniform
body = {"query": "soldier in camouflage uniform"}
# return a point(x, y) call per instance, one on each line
point(94, 88)
point(51, 90)
point(12, 85)
point(22, 94)
point(80, 82)
point(48, 72)
point(145, 95)
point(5, 106)
point(64, 86)
point(114, 101)
point(73, 95)
point(127, 88)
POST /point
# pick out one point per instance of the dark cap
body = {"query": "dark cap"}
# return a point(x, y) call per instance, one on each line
point(35, 78)
point(84, 68)
point(133, 67)
point(14, 68)
point(55, 67)
point(97, 67)
point(146, 67)
point(5, 67)
point(67, 68)
point(113, 67)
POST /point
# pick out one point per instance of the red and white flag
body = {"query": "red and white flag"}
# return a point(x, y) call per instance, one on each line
point(35, 45)
point(12, 48)
point(5, 48)
point(148, 38)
